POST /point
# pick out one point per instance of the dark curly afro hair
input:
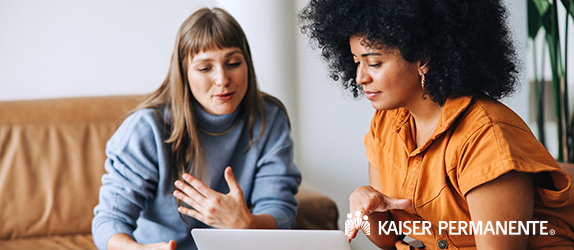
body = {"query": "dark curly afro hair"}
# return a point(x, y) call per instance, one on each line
point(466, 43)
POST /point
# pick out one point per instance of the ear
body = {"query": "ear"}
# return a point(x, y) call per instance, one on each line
point(423, 67)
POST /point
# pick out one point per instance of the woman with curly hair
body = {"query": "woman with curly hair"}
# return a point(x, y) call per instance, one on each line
point(444, 153)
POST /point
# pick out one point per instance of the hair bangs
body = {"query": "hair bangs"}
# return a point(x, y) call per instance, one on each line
point(214, 32)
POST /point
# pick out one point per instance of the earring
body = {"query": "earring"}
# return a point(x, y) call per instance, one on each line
point(423, 80)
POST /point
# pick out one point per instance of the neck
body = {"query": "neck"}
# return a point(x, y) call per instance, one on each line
point(426, 115)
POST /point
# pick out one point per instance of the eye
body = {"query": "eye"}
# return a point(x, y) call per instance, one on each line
point(234, 65)
point(374, 65)
point(203, 69)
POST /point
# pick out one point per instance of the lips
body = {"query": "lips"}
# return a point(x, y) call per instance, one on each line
point(224, 96)
point(371, 95)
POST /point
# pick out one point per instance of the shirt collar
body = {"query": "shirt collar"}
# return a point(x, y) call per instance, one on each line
point(452, 109)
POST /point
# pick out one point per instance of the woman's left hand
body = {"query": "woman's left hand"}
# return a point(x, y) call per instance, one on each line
point(213, 208)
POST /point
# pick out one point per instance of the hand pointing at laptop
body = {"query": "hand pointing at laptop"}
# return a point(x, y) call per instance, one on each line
point(367, 200)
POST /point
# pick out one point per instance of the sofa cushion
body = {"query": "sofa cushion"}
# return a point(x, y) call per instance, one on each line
point(49, 179)
point(52, 155)
point(64, 242)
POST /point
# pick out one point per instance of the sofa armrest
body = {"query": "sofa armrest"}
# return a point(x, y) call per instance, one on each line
point(568, 168)
point(316, 210)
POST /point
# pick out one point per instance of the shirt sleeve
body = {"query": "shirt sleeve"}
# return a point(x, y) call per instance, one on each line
point(130, 181)
point(277, 178)
point(498, 148)
point(371, 142)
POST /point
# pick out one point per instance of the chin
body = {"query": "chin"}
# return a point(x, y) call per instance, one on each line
point(382, 106)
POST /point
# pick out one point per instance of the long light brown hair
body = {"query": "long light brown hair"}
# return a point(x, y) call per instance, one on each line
point(206, 29)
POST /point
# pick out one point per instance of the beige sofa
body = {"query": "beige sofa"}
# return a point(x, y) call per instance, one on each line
point(51, 163)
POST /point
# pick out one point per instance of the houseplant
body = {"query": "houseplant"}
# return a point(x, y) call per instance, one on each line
point(543, 19)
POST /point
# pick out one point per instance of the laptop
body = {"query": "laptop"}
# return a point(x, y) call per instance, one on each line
point(277, 239)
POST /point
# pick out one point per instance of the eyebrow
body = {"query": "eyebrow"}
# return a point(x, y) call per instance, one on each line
point(371, 54)
point(368, 54)
point(228, 54)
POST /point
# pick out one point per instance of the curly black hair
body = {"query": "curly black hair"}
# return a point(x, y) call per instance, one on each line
point(466, 43)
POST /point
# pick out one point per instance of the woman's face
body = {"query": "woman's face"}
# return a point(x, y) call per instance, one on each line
point(388, 80)
point(218, 79)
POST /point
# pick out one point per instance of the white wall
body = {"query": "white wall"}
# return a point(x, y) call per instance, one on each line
point(65, 48)
point(80, 48)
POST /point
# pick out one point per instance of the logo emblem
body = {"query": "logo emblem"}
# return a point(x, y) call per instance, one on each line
point(357, 223)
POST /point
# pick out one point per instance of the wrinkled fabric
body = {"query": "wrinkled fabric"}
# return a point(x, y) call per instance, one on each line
point(136, 196)
point(477, 139)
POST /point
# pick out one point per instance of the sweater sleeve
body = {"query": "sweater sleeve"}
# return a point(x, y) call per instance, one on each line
point(277, 178)
point(131, 177)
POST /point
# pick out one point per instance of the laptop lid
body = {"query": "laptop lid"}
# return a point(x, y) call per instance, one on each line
point(259, 239)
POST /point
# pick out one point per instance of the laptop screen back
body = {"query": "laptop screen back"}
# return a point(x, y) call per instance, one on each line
point(258, 239)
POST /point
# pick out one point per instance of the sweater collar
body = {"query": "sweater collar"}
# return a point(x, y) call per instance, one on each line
point(214, 123)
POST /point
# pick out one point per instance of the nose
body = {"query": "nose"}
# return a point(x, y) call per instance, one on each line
point(363, 76)
point(221, 77)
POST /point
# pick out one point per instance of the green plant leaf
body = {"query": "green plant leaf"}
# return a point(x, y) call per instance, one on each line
point(536, 10)
point(569, 5)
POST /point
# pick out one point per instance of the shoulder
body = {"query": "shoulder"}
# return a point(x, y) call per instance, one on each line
point(488, 121)
point(486, 116)
point(143, 124)
point(275, 111)
point(488, 110)
point(142, 118)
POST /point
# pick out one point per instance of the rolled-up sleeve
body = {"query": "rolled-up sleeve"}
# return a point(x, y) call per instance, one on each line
point(130, 181)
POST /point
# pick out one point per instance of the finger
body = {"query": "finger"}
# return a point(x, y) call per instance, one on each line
point(393, 203)
point(198, 185)
point(231, 181)
point(191, 213)
point(188, 200)
point(206, 218)
point(352, 234)
point(367, 208)
point(189, 191)
point(172, 245)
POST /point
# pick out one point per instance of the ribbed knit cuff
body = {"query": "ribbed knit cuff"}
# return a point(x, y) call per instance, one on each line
point(103, 232)
point(284, 220)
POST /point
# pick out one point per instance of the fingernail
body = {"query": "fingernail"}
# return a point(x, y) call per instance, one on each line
point(178, 183)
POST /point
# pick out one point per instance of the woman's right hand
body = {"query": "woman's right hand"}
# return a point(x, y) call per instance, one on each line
point(171, 245)
point(366, 200)
point(126, 242)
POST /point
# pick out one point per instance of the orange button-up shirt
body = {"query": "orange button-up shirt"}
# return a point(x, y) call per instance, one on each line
point(477, 139)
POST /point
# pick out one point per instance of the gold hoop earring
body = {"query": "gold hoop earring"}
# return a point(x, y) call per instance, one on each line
point(423, 81)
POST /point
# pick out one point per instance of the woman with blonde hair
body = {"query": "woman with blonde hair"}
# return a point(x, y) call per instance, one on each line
point(169, 165)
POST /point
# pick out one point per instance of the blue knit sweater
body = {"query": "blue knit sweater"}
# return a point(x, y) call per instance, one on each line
point(136, 194)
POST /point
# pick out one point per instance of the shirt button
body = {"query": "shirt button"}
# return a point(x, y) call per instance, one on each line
point(442, 244)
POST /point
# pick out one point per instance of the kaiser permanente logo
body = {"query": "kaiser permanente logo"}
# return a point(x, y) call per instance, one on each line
point(358, 223)
point(452, 227)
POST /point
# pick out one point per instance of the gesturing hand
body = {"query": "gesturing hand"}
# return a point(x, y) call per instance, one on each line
point(366, 200)
point(211, 207)
point(171, 245)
